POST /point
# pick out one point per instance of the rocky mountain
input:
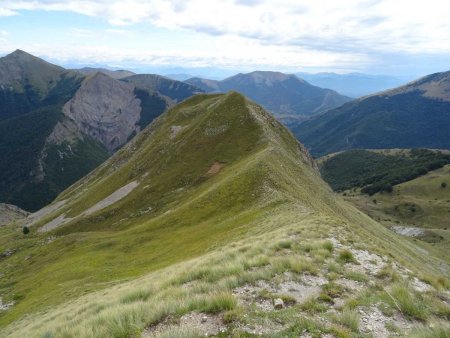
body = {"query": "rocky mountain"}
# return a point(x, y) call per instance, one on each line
point(291, 99)
point(354, 84)
point(213, 221)
point(25, 81)
point(57, 125)
point(416, 115)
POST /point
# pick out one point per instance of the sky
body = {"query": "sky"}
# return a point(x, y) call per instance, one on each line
point(391, 37)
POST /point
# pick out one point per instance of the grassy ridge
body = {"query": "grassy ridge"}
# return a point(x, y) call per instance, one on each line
point(267, 190)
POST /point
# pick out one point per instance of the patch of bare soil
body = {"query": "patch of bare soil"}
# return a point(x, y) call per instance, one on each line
point(300, 290)
point(373, 321)
point(215, 168)
point(368, 262)
point(205, 324)
point(113, 198)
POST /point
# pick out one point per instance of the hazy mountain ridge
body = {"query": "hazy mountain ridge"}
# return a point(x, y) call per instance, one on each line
point(354, 84)
point(412, 116)
point(115, 74)
point(285, 95)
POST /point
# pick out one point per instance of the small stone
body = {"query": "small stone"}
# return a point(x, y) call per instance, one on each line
point(204, 319)
point(278, 304)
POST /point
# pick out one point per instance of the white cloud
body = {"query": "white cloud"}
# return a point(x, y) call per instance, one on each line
point(7, 12)
point(285, 32)
point(401, 25)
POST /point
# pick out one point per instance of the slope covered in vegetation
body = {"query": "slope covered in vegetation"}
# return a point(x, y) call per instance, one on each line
point(413, 116)
point(213, 210)
point(375, 171)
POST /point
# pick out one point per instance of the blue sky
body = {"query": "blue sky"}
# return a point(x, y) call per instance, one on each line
point(394, 37)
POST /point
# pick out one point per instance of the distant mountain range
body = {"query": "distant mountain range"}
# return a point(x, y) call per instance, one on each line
point(289, 98)
point(410, 116)
point(354, 84)
point(56, 125)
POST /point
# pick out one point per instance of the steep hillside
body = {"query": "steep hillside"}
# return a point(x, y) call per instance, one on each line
point(286, 96)
point(212, 221)
point(412, 116)
point(56, 125)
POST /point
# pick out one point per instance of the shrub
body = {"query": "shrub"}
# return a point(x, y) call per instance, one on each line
point(25, 230)
point(443, 185)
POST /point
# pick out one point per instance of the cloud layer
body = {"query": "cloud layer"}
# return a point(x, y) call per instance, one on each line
point(299, 32)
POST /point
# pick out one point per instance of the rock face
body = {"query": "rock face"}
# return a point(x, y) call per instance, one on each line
point(105, 109)
point(10, 213)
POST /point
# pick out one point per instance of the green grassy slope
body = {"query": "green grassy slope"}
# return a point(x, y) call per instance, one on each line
point(422, 202)
point(220, 182)
point(378, 170)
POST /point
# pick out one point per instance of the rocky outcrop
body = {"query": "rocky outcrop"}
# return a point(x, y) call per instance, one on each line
point(105, 109)
point(10, 213)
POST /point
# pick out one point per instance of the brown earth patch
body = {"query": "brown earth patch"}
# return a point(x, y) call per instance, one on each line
point(215, 168)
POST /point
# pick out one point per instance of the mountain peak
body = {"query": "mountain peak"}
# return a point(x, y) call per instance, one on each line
point(20, 66)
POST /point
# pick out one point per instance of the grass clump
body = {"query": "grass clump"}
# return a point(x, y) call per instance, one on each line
point(285, 244)
point(356, 276)
point(219, 302)
point(440, 331)
point(313, 306)
point(349, 319)
point(346, 256)
point(134, 296)
point(333, 290)
point(409, 303)
point(328, 246)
